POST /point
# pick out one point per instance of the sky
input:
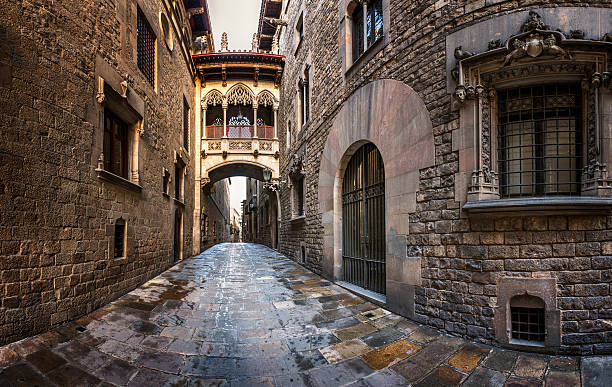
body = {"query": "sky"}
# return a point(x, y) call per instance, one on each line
point(239, 18)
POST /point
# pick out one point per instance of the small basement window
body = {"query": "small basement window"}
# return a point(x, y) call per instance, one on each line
point(119, 248)
point(528, 319)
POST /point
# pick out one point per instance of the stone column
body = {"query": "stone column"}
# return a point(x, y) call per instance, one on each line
point(365, 25)
point(195, 246)
point(224, 119)
point(203, 122)
point(255, 133)
point(275, 123)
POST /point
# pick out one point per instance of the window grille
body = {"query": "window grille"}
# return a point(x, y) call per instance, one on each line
point(528, 324)
point(539, 140)
point(146, 48)
point(299, 197)
point(185, 125)
point(115, 146)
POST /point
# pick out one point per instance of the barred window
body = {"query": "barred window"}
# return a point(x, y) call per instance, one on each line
point(528, 318)
point(185, 124)
point(146, 48)
point(539, 140)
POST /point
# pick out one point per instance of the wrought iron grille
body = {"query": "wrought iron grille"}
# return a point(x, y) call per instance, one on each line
point(185, 125)
point(528, 323)
point(146, 48)
point(363, 220)
point(539, 140)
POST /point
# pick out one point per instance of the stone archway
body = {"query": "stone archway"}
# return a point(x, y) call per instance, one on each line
point(393, 117)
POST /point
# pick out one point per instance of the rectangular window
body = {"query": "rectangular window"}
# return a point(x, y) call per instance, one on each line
point(366, 31)
point(115, 146)
point(299, 197)
point(119, 250)
point(146, 48)
point(539, 140)
point(185, 124)
point(178, 182)
point(528, 324)
point(358, 32)
point(166, 182)
point(299, 27)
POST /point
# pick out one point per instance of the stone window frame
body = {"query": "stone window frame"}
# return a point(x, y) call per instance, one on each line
point(186, 125)
point(129, 246)
point(479, 76)
point(166, 31)
point(141, 10)
point(345, 36)
point(298, 30)
point(180, 166)
point(114, 95)
point(166, 180)
point(543, 288)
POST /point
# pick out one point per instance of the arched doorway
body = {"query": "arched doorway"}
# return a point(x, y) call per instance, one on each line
point(363, 220)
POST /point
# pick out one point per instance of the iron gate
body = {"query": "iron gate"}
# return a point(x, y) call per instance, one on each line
point(363, 220)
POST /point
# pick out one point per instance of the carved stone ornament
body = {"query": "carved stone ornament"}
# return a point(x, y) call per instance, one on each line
point(295, 166)
point(595, 180)
point(100, 97)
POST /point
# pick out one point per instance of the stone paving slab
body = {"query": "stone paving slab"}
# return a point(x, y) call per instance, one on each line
point(244, 315)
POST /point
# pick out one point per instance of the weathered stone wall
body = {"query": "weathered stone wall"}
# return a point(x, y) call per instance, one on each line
point(462, 259)
point(216, 207)
point(56, 215)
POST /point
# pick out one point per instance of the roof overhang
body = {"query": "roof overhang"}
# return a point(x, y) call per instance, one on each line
point(265, 32)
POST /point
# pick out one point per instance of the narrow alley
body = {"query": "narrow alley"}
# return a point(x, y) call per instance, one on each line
point(243, 314)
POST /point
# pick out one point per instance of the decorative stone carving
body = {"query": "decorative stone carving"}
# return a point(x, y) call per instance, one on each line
point(214, 145)
point(124, 89)
point(240, 145)
point(214, 98)
point(535, 44)
point(460, 54)
point(255, 43)
point(100, 97)
point(265, 145)
point(295, 166)
point(266, 98)
point(240, 95)
point(595, 180)
point(224, 42)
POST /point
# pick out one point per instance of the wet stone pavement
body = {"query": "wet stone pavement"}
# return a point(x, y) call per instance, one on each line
point(244, 315)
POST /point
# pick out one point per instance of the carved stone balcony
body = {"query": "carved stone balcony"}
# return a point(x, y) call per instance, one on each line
point(239, 153)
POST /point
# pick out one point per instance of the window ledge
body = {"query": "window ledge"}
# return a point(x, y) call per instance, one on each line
point(565, 205)
point(165, 195)
point(118, 180)
point(297, 218)
point(365, 57)
point(179, 203)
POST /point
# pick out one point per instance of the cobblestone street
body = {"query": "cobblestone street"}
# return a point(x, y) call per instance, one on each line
point(242, 314)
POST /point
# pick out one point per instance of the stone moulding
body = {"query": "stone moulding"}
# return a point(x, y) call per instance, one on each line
point(118, 180)
point(537, 53)
point(543, 288)
point(393, 117)
point(569, 205)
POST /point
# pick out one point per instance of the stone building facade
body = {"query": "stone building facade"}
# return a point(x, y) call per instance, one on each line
point(260, 211)
point(490, 123)
point(216, 215)
point(96, 153)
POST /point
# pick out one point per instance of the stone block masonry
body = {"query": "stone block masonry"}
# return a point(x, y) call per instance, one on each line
point(57, 216)
point(462, 258)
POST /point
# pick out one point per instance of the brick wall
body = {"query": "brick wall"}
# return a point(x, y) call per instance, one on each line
point(462, 258)
point(56, 215)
